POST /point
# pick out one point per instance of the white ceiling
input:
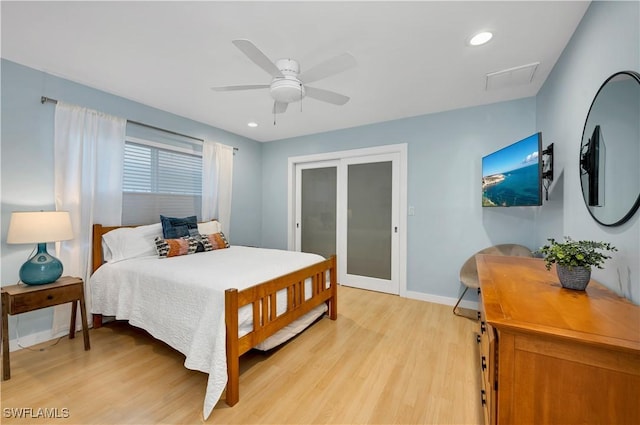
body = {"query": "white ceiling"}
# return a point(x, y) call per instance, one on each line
point(413, 57)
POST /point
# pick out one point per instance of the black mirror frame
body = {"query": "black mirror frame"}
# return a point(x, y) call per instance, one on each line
point(636, 205)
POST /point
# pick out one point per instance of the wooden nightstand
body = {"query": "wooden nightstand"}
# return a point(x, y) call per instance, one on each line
point(21, 298)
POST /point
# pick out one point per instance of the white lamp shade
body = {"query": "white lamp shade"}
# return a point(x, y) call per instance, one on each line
point(39, 227)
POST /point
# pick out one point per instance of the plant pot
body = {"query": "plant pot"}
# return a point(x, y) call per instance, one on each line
point(576, 278)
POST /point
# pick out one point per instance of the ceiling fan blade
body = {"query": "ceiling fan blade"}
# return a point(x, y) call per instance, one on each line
point(279, 107)
point(259, 58)
point(236, 88)
point(326, 95)
point(330, 67)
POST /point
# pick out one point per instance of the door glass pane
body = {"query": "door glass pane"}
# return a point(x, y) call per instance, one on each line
point(369, 219)
point(318, 210)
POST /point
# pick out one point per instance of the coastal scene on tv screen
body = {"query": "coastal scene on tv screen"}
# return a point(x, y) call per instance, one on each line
point(510, 176)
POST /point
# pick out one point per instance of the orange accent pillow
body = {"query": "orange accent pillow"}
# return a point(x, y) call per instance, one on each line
point(216, 241)
point(174, 247)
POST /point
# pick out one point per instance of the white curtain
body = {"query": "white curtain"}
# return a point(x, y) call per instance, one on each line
point(217, 176)
point(88, 162)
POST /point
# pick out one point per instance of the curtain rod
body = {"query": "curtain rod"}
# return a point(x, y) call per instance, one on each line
point(44, 99)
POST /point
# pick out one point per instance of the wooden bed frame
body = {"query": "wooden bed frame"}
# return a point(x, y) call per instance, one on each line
point(263, 298)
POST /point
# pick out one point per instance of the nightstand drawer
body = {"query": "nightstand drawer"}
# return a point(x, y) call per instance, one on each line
point(28, 301)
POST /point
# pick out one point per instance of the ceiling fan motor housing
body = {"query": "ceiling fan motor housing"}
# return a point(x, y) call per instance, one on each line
point(287, 89)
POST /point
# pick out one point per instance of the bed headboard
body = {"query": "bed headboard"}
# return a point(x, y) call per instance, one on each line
point(97, 258)
point(96, 244)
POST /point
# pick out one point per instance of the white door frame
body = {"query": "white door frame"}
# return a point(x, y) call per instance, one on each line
point(401, 149)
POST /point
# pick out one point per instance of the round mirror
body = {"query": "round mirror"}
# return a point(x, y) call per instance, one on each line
point(610, 150)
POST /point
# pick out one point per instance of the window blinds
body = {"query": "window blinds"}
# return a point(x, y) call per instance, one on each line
point(159, 181)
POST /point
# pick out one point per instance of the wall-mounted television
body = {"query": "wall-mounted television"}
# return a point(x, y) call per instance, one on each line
point(512, 176)
point(591, 170)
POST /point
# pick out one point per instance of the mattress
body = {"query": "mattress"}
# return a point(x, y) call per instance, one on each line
point(180, 301)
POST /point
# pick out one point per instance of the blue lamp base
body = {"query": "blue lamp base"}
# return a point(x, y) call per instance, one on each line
point(41, 268)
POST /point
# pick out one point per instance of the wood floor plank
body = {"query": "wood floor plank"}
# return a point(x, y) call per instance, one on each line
point(385, 360)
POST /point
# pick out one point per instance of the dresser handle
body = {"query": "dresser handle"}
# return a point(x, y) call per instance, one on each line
point(49, 297)
point(478, 338)
point(479, 315)
point(483, 397)
point(483, 327)
point(484, 363)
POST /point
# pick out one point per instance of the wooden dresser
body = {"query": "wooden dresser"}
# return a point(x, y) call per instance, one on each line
point(551, 355)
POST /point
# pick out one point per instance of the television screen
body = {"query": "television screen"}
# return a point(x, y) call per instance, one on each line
point(511, 177)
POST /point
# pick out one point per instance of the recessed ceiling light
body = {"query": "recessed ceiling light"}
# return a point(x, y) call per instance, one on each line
point(480, 38)
point(252, 124)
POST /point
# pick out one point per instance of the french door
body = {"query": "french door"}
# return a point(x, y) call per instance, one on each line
point(351, 207)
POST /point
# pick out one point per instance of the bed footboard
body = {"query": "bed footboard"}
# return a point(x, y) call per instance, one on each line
point(265, 321)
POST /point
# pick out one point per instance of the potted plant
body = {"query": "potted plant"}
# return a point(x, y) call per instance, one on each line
point(574, 260)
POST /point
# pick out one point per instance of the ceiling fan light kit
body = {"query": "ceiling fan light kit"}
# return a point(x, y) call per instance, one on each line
point(287, 90)
point(287, 86)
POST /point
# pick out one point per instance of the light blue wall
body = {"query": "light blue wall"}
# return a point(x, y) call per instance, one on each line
point(443, 170)
point(444, 185)
point(606, 41)
point(27, 159)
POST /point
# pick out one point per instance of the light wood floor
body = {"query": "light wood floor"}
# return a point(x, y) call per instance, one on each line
point(385, 360)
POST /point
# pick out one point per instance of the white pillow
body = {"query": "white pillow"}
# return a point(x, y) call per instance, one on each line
point(209, 228)
point(131, 242)
point(106, 252)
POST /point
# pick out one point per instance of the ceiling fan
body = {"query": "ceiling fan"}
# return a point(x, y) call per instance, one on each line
point(288, 84)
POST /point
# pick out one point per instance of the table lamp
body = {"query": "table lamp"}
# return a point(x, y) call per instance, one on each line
point(40, 227)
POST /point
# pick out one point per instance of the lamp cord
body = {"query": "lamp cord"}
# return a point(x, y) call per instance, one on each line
point(33, 251)
point(29, 348)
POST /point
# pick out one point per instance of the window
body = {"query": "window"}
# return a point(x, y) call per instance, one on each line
point(159, 179)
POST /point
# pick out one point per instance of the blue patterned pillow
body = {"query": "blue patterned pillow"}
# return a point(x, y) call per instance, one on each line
point(174, 228)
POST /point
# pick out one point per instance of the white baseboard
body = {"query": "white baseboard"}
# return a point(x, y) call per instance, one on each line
point(438, 299)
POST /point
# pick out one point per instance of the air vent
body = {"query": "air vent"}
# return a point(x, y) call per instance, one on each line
point(517, 76)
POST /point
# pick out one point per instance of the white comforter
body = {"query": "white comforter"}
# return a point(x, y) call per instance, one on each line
point(180, 300)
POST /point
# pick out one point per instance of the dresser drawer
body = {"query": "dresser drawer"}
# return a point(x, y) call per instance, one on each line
point(28, 301)
point(487, 339)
